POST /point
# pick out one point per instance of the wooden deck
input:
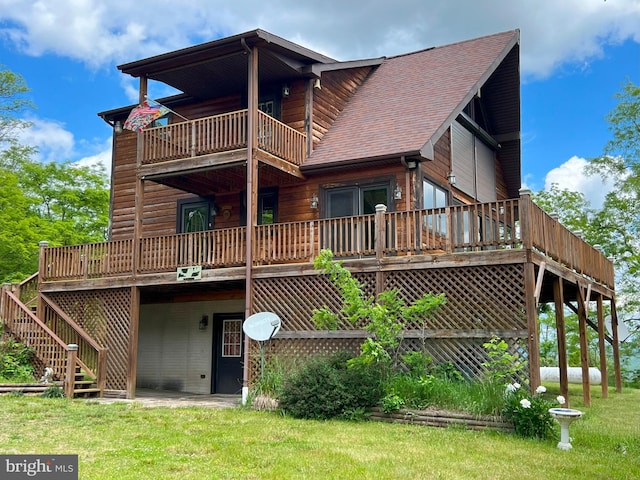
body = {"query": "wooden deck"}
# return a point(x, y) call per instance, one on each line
point(487, 227)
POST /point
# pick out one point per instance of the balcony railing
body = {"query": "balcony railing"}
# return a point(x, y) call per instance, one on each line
point(221, 133)
point(508, 224)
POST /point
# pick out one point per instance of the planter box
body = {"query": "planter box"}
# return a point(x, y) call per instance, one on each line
point(442, 418)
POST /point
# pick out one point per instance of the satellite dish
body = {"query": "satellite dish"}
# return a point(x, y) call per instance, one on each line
point(261, 326)
point(623, 331)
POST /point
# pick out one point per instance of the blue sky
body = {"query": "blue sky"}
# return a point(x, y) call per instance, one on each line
point(575, 55)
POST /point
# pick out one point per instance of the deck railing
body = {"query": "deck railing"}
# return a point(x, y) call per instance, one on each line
point(280, 140)
point(220, 133)
point(208, 249)
point(516, 223)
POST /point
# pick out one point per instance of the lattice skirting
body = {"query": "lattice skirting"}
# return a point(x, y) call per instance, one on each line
point(105, 315)
point(481, 301)
point(294, 352)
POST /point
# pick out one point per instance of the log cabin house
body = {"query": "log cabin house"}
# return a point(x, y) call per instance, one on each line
point(406, 167)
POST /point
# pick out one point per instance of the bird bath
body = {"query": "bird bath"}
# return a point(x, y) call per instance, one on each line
point(564, 416)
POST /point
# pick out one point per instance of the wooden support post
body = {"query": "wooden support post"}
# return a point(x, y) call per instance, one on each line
point(70, 374)
point(42, 269)
point(533, 343)
point(380, 241)
point(449, 241)
point(308, 115)
point(525, 219)
point(616, 346)
point(601, 347)
point(132, 363)
point(139, 187)
point(584, 347)
point(558, 297)
point(251, 200)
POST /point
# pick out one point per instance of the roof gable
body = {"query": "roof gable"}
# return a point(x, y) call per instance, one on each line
point(410, 100)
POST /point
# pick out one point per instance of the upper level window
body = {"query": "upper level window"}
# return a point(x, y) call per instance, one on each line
point(355, 200)
point(344, 236)
point(433, 195)
point(268, 107)
point(267, 210)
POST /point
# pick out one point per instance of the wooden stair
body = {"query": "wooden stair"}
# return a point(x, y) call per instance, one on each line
point(83, 388)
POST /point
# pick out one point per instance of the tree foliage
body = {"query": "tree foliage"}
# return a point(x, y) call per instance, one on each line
point(384, 317)
point(620, 215)
point(12, 103)
point(60, 202)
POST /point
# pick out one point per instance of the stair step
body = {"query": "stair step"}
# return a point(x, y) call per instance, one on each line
point(84, 391)
point(84, 382)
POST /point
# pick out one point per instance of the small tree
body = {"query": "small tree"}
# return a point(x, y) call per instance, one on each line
point(384, 317)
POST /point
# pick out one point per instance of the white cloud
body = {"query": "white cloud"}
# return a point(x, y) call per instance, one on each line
point(101, 158)
point(56, 144)
point(101, 32)
point(571, 176)
point(53, 141)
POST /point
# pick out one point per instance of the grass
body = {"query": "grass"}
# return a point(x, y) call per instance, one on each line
point(128, 441)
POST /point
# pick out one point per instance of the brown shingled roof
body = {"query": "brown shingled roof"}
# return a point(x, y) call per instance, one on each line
point(410, 100)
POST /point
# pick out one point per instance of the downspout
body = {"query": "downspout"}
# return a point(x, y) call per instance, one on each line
point(252, 104)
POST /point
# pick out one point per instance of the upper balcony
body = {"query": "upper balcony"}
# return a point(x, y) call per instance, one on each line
point(486, 227)
point(216, 134)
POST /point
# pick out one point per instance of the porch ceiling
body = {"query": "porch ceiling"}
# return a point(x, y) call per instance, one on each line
point(190, 291)
point(210, 182)
point(220, 67)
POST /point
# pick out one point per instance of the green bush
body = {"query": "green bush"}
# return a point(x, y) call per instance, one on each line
point(15, 362)
point(328, 388)
point(392, 402)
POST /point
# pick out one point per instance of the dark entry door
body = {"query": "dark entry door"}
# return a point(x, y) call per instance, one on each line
point(228, 345)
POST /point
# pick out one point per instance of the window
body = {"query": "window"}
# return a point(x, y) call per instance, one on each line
point(348, 237)
point(232, 338)
point(267, 206)
point(268, 107)
point(434, 197)
point(355, 200)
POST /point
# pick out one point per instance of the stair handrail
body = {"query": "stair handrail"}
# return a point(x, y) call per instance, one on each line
point(29, 286)
point(99, 375)
point(35, 320)
point(100, 369)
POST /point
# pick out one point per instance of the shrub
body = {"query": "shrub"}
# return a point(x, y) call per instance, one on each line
point(15, 362)
point(53, 391)
point(419, 364)
point(529, 413)
point(327, 388)
point(502, 366)
point(392, 403)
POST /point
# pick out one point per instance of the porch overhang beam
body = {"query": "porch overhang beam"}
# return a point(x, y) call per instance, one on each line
point(279, 164)
point(212, 161)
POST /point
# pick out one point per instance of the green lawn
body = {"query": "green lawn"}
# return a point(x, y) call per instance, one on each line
point(127, 441)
